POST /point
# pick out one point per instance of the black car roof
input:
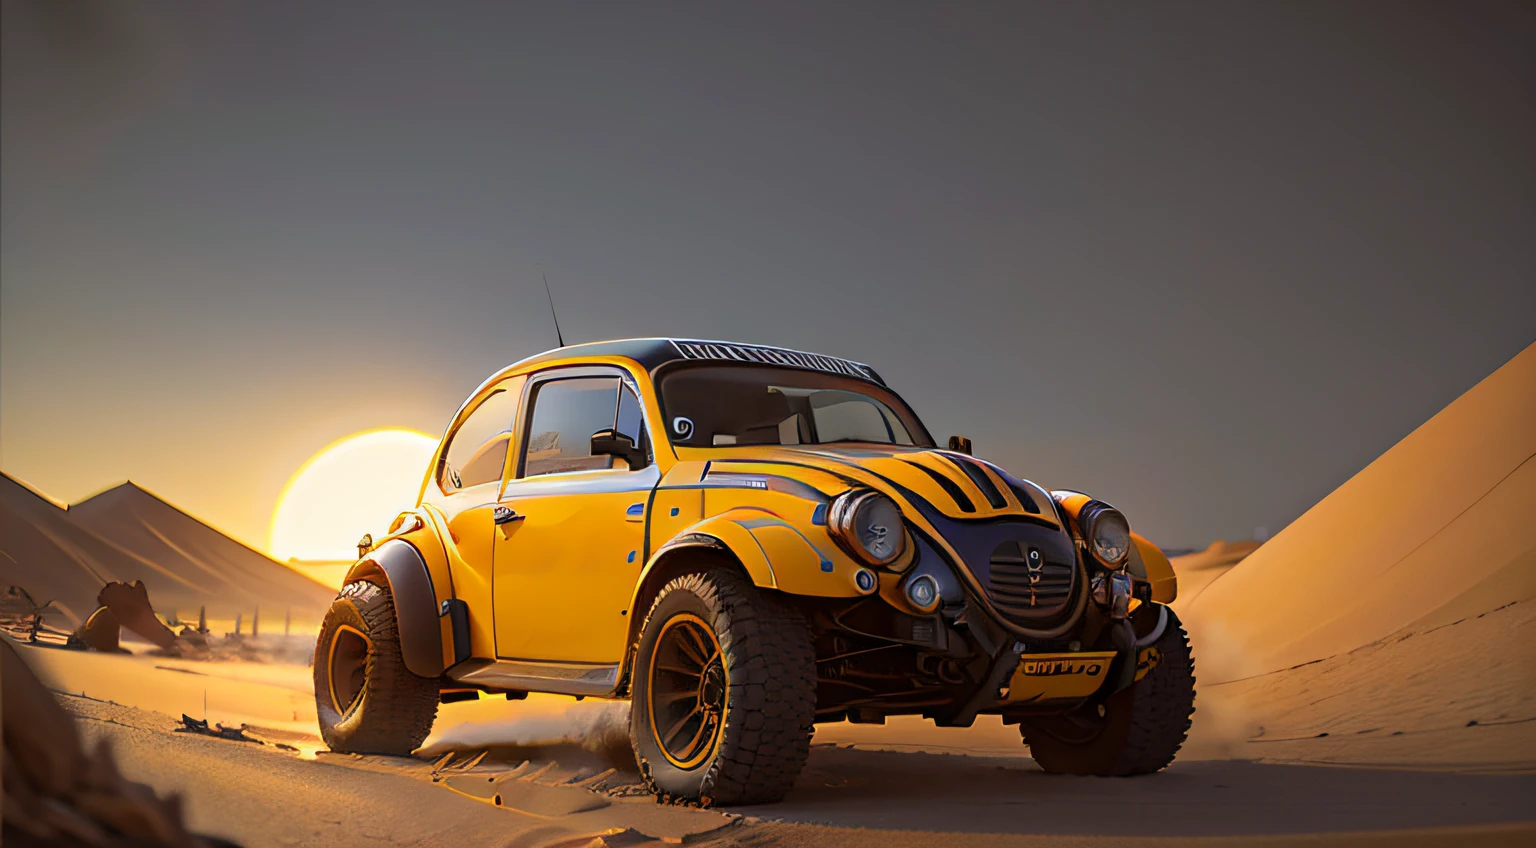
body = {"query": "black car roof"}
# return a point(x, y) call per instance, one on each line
point(654, 353)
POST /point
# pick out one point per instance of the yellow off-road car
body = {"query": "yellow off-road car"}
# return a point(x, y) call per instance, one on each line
point(744, 541)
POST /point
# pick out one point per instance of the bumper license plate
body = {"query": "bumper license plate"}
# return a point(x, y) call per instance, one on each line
point(1049, 677)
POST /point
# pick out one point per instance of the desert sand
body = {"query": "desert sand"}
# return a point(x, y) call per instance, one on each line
point(564, 772)
point(1367, 677)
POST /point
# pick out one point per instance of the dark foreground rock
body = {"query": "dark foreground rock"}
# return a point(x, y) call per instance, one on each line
point(58, 794)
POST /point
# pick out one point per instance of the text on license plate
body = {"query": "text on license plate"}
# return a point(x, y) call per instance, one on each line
point(1048, 677)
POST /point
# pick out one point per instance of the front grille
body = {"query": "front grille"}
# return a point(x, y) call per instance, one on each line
point(1027, 587)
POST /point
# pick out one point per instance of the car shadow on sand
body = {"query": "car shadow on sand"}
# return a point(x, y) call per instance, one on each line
point(887, 790)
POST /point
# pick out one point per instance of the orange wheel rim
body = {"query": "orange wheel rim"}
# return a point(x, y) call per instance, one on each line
point(688, 691)
point(346, 666)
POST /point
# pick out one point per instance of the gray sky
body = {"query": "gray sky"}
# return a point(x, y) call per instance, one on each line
point(1203, 260)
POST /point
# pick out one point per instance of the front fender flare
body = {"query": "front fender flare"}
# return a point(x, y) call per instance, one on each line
point(1148, 562)
point(404, 573)
point(773, 552)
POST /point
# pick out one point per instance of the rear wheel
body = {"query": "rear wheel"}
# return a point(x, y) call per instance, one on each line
point(723, 693)
point(1139, 730)
point(367, 701)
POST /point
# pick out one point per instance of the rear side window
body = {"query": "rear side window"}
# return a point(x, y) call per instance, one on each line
point(477, 452)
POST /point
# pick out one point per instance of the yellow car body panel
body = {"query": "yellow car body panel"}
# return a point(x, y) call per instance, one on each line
point(563, 573)
point(468, 555)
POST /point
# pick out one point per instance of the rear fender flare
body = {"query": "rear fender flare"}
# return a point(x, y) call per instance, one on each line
point(403, 571)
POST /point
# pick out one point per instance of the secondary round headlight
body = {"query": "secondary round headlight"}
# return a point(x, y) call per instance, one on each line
point(868, 526)
point(1107, 532)
point(923, 592)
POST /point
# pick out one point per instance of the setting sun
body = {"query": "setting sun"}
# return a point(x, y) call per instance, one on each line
point(352, 486)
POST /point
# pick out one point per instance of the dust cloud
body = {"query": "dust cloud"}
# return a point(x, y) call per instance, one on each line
point(539, 722)
point(1221, 724)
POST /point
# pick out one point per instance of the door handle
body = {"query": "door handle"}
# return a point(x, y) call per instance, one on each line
point(505, 515)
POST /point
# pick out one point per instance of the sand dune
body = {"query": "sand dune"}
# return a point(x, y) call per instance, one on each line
point(50, 556)
point(65, 554)
point(196, 564)
point(1435, 530)
point(1393, 623)
point(1197, 570)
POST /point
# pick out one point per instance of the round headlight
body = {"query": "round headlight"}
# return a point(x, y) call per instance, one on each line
point(1107, 532)
point(868, 526)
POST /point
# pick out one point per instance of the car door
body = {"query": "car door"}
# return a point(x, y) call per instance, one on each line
point(571, 539)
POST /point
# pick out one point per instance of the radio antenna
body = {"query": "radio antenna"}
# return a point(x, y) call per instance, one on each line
point(558, 336)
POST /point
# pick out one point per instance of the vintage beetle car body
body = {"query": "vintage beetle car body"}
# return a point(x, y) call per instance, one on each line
point(746, 540)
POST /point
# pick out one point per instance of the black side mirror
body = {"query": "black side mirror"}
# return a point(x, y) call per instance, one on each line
point(960, 444)
point(613, 443)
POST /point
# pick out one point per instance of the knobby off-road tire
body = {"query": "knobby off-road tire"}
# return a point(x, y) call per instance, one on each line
point(368, 702)
point(1142, 728)
point(765, 663)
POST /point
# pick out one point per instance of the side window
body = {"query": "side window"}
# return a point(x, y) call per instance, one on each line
point(477, 451)
point(565, 415)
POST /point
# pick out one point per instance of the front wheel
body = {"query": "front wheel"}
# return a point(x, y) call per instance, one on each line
point(723, 693)
point(367, 701)
point(1138, 731)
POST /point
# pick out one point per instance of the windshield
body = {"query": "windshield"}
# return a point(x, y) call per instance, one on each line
point(723, 405)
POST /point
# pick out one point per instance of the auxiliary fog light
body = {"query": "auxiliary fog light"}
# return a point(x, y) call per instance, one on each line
point(923, 592)
point(1119, 591)
point(865, 580)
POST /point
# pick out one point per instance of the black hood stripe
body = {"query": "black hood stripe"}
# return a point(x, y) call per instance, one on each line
point(979, 476)
point(927, 508)
point(947, 485)
point(1020, 491)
